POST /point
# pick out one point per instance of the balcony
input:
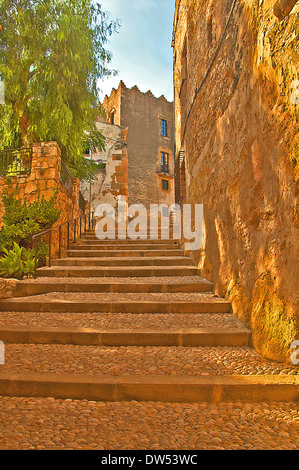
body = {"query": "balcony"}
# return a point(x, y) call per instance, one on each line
point(165, 170)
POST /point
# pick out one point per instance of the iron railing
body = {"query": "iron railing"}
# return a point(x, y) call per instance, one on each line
point(81, 202)
point(165, 171)
point(15, 162)
point(75, 228)
point(66, 177)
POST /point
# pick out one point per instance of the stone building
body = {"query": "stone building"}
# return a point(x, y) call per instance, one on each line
point(236, 85)
point(149, 135)
point(93, 191)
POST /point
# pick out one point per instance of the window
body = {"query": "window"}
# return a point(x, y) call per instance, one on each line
point(165, 186)
point(164, 162)
point(164, 127)
point(112, 115)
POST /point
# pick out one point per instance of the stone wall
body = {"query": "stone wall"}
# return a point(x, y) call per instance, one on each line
point(236, 113)
point(115, 182)
point(44, 179)
point(112, 134)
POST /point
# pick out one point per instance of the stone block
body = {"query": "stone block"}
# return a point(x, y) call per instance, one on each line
point(8, 288)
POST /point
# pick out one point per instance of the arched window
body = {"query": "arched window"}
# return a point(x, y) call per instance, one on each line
point(112, 115)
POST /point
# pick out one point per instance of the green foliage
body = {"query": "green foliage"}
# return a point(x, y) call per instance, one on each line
point(23, 220)
point(52, 56)
point(17, 263)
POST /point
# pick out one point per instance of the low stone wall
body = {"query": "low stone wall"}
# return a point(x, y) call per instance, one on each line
point(44, 179)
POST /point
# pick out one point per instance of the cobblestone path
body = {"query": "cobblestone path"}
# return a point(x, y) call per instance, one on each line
point(122, 345)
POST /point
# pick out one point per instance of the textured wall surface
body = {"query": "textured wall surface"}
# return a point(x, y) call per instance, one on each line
point(115, 182)
point(44, 179)
point(237, 121)
point(112, 133)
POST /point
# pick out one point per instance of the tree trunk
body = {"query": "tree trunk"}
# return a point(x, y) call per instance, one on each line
point(24, 122)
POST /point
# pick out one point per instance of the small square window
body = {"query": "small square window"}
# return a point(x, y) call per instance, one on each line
point(165, 185)
point(164, 127)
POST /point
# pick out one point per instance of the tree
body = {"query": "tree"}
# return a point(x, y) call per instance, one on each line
point(52, 54)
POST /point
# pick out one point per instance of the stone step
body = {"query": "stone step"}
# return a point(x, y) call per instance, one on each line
point(39, 286)
point(123, 253)
point(104, 246)
point(121, 271)
point(125, 321)
point(168, 389)
point(187, 361)
point(146, 373)
point(129, 242)
point(163, 261)
point(122, 337)
point(114, 303)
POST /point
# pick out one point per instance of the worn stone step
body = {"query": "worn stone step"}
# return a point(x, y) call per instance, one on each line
point(131, 303)
point(121, 271)
point(123, 337)
point(134, 360)
point(125, 321)
point(146, 365)
point(39, 286)
point(129, 242)
point(170, 389)
point(114, 302)
point(123, 253)
point(127, 246)
point(133, 261)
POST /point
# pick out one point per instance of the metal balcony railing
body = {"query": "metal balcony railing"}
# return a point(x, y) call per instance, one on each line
point(81, 203)
point(66, 177)
point(15, 162)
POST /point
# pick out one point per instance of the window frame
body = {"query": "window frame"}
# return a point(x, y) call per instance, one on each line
point(164, 167)
point(164, 127)
point(165, 182)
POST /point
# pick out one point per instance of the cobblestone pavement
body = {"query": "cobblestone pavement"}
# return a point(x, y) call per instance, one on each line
point(27, 423)
point(133, 360)
point(126, 297)
point(48, 423)
point(121, 320)
point(124, 280)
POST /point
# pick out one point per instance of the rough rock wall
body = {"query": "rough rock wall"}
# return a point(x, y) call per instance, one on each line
point(112, 134)
point(44, 179)
point(115, 182)
point(241, 143)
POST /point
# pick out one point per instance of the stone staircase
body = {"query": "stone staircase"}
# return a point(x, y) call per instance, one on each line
point(131, 320)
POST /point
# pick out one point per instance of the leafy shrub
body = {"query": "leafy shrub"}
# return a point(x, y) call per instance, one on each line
point(17, 263)
point(23, 220)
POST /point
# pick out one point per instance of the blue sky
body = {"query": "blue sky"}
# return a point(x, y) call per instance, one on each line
point(141, 50)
